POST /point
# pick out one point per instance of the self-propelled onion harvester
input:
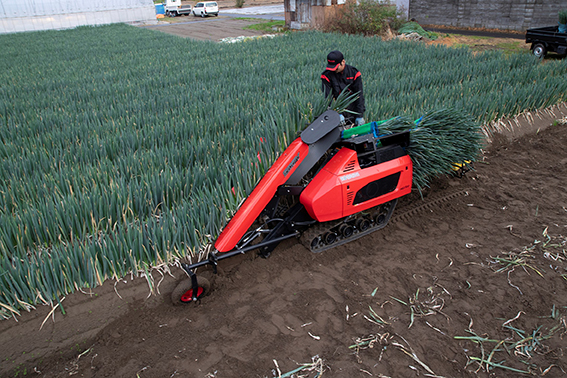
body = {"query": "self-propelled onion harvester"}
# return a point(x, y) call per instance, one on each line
point(330, 186)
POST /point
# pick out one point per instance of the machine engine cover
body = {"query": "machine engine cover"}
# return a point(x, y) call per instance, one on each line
point(342, 188)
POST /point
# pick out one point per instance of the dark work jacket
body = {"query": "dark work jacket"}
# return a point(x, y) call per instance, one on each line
point(335, 83)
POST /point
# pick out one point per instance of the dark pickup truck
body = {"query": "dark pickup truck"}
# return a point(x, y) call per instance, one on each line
point(547, 39)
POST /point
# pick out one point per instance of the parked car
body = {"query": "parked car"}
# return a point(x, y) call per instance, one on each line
point(206, 8)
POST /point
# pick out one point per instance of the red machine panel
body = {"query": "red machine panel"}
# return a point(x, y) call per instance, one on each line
point(342, 188)
point(264, 191)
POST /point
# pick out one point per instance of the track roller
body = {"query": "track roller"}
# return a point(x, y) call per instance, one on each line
point(362, 224)
point(346, 230)
point(330, 238)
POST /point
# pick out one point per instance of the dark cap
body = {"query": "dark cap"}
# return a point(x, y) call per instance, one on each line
point(334, 59)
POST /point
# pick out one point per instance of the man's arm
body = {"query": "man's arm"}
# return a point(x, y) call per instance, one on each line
point(357, 87)
point(326, 85)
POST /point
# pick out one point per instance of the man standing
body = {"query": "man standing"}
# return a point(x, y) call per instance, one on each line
point(336, 77)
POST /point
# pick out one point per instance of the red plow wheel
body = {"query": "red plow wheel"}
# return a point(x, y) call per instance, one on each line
point(183, 292)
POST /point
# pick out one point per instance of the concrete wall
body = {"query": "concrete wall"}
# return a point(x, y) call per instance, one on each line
point(491, 14)
point(32, 15)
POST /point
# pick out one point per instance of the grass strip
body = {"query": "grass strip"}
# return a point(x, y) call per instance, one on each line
point(267, 26)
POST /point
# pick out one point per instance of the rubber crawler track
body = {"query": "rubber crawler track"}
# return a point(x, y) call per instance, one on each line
point(321, 228)
point(426, 206)
point(405, 215)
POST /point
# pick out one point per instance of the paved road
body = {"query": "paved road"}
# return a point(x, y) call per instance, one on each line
point(229, 23)
point(270, 12)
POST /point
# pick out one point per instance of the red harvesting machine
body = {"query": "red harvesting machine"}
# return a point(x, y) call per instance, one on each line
point(329, 187)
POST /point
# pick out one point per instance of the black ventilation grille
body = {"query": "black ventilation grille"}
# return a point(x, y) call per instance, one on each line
point(350, 197)
point(377, 188)
point(350, 166)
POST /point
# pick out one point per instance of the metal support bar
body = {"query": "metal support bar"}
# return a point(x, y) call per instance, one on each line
point(194, 283)
point(214, 258)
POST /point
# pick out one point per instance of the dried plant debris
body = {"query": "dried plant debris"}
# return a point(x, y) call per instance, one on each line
point(544, 256)
point(522, 351)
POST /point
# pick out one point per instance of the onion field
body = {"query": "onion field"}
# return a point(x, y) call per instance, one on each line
point(122, 148)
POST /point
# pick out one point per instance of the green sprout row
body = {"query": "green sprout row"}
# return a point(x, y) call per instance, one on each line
point(122, 148)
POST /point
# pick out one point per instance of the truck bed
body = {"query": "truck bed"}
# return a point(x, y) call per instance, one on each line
point(547, 39)
point(547, 34)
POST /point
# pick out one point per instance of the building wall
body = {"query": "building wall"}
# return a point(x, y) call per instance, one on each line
point(403, 6)
point(301, 14)
point(492, 14)
point(321, 14)
point(31, 15)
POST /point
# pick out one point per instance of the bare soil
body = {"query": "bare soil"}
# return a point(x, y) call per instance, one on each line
point(212, 28)
point(480, 255)
point(209, 29)
point(480, 43)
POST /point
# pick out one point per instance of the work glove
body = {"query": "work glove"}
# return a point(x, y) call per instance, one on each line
point(359, 121)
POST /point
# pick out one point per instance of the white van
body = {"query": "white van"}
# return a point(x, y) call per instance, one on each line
point(206, 8)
